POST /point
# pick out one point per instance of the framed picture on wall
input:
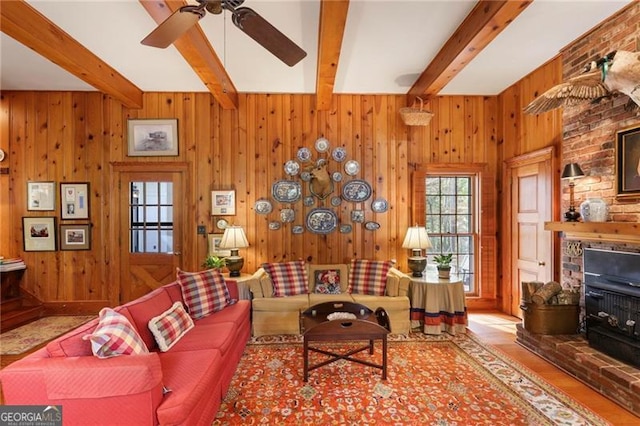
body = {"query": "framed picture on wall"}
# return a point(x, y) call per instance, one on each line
point(223, 203)
point(74, 200)
point(628, 162)
point(75, 237)
point(39, 233)
point(214, 246)
point(153, 138)
point(41, 196)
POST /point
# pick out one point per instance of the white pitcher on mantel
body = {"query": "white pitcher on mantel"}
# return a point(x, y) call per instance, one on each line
point(594, 210)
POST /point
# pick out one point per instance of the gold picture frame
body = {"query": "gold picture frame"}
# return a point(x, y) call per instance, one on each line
point(628, 162)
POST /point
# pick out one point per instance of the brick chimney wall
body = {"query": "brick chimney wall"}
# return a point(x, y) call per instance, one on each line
point(590, 131)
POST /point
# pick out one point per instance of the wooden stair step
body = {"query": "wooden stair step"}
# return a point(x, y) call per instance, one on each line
point(19, 316)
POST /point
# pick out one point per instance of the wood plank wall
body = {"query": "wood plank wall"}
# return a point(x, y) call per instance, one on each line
point(77, 136)
point(521, 134)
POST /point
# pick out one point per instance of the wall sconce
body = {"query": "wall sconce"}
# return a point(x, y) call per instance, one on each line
point(572, 171)
point(416, 240)
point(234, 239)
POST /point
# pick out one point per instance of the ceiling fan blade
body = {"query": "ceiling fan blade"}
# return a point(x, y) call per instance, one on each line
point(174, 26)
point(256, 27)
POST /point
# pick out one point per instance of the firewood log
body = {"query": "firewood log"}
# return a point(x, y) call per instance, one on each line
point(546, 292)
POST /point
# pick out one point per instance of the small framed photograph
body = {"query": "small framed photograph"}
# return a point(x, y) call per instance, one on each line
point(41, 196)
point(214, 246)
point(74, 200)
point(75, 237)
point(628, 162)
point(39, 233)
point(153, 138)
point(223, 203)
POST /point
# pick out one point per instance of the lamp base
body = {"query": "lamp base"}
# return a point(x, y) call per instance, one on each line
point(417, 264)
point(234, 265)
point(571, 215)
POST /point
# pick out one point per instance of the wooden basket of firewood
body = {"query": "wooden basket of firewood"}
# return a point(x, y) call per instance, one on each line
point(413, 116)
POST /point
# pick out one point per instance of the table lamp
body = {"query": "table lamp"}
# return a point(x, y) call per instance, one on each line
point(416, 240)
point(234, 239)
point(572, 171)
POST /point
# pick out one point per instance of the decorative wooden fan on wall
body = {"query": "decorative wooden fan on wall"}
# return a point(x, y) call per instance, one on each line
point(252, 24)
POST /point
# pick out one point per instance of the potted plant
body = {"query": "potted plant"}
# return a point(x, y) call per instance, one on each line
point(444, 264)
point(214, 262)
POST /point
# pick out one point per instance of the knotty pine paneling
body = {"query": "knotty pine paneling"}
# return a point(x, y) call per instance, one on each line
point(79, 136)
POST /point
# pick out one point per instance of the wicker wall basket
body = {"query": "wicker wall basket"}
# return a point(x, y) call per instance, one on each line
point(413, 116)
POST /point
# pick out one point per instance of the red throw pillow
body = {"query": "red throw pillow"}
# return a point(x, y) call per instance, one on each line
point(115, 336)
point(289, 278)
point(169, 327)
point(369, 276)
point(203, 292)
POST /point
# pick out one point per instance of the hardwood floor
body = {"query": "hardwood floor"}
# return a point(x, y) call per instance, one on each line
point(499, 330)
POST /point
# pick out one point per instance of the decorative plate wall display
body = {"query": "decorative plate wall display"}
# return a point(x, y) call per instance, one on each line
point(335, 201)
point(263, 206)
point(372, 226)
point(356, 191)
point(297, 229)
point(336, 176)
point(357, 216)
point(321, 221)
point(286, 191)
point(287, 215)
point(274, 226)
point(351, 167)
point(339, 154)
point(304, 155)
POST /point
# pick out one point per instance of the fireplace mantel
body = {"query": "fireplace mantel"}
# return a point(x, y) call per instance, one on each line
point(621, 232)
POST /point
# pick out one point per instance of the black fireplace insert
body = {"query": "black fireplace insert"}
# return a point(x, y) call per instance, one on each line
point(612, 303)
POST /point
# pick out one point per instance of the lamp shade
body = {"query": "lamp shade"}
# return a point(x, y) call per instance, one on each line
point(416, 238)
point(572, 170)
point(234, 238)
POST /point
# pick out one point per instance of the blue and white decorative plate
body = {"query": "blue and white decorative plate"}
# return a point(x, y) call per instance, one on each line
point(352, 167)
point(356, 191)
point(357, 216)
point(379, 205)
point(336, 176)
point(345, 229)
point(309, 200)
point(372, 226)
point(291, 168)
point(322, 145)
point(286, 191)
point(274, 226)
point(321, 221)
point(335, 201)
point(263, 206)
point(297, 229)
point(304, 155)
point(287, 215)
point(339, 154)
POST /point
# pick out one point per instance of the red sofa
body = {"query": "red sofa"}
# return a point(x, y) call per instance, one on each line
point(128, 389)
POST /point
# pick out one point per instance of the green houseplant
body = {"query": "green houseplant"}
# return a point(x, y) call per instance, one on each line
point(214, 262)
point(444, 264)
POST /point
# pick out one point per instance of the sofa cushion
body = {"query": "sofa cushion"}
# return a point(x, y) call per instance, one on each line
point(142, 309)
point(275, 304)
point(203, 292)
point(289, 278)
point(170, 326)
point(368, 276)
point(115, 336)
point(72, 343)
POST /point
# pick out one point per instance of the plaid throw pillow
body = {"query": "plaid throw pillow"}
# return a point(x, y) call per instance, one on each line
point(369, 276)
point(115, 336)
point(327, 281)
point(170, 326)
point(289, 278)
point(203, 292)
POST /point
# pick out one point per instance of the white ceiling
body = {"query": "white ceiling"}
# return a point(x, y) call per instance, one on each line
point(387, 44)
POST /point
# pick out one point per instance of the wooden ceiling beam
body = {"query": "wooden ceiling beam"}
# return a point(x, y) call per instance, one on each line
point(333, 18)
point(199, 54)
point(26, 25)
point(483, 24)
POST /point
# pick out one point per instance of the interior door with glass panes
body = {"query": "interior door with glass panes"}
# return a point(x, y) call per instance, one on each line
point(150, 231)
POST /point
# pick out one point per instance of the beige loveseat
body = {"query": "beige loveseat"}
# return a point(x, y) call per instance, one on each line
point(280, 315)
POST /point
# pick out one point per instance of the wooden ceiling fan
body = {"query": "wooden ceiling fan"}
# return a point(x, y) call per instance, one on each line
point(252, 24)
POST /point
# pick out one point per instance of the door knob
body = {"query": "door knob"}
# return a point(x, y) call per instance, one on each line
point(541, 263)
point(177, 253)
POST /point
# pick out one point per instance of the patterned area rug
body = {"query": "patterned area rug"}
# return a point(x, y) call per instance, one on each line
point(431, 380)
point(21, 339)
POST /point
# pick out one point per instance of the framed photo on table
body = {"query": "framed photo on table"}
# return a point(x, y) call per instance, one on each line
point(153, 138)
point(214, 246)
point(74, 200)
point(39, 233)
point(223, 203)
point(75, 237)
point(628, 162)
point(41, 196)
